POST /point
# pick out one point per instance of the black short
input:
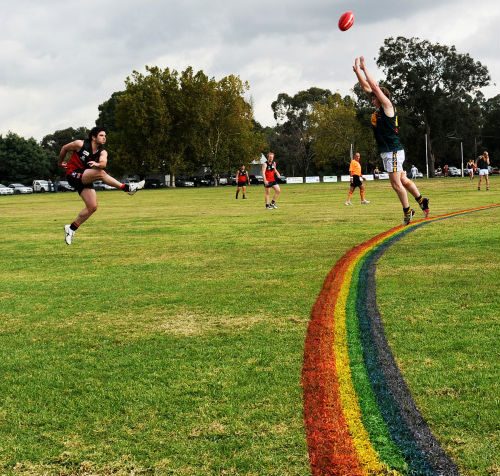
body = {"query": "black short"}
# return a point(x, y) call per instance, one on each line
point(356, 181)
point(242, 184)
point(75, 180)
point(270, 184)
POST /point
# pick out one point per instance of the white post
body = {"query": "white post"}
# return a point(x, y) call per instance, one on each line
point(462, 155)
point(352, 153)
point(426, 157)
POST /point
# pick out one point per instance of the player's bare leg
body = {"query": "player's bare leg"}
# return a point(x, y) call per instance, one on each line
point(409, 185)
point(89, 197)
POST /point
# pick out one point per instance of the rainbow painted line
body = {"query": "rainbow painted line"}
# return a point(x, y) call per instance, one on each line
point(359, 414)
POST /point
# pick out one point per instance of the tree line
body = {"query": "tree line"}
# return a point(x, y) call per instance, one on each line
point(169, 122)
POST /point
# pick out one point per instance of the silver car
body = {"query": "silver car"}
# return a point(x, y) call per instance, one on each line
point(6, 190)
point(20, 188)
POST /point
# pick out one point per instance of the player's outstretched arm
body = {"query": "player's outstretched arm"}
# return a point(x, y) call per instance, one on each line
point(361, 78)
point(385, 102)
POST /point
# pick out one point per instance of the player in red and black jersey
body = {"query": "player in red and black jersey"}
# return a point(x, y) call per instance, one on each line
point(242, 180)
point(86, 165)
point(271, 174)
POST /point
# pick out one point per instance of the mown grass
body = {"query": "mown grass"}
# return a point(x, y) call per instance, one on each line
point(168, 338)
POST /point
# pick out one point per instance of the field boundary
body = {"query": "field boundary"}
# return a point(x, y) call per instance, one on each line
point(360, 417)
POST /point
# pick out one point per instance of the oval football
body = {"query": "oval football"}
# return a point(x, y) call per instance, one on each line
point(346, 20)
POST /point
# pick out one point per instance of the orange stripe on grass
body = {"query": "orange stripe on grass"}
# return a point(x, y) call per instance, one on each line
point(366, 453)
point(331, 448)
point(332, 451)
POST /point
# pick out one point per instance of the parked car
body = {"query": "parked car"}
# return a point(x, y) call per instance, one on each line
point(64, 186)
point(184, 182)
point(42, 186)
point(20, 188)
point(202, 180)
point(454, 172)
point(153, 183)
point(256, 179)
point(6, 190)
point(223, 180)
point(493, 170)
point(100, 185)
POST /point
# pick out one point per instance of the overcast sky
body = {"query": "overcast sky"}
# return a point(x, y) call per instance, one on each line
point(60, 59)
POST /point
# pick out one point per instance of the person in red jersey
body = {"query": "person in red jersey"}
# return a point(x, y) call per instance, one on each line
point(242, 180)
point(87, 164)
point(356, 180)
point(271, 174)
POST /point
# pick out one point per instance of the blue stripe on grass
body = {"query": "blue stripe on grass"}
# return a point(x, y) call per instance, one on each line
point(406, 425)
point(379, 434)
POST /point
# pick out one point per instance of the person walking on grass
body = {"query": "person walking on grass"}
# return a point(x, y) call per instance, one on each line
point(470, 169)
point(356, 180)
point(386, 130)
point(483, 162)
point(242, 180)
point(87, 164)
point(271, 175)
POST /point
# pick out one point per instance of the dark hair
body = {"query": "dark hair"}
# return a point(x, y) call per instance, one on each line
point(94, 131)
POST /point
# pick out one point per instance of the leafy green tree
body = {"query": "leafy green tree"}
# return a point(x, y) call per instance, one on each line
point(144, 120)
point(293, 116)
point(231, 137)
point(22, 160)
point(54, 142)
point(436, 86)
point(335, 128)
point(489, 137)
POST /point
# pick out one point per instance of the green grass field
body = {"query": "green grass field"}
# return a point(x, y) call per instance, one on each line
point(168, 339)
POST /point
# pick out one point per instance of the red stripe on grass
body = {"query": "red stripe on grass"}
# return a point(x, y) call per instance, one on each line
point(331, 449)
point(330, 445)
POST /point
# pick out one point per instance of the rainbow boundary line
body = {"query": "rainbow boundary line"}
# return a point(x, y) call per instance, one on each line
point(359, 414)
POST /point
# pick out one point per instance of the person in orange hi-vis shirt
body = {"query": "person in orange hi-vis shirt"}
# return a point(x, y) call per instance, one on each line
point(356, 180)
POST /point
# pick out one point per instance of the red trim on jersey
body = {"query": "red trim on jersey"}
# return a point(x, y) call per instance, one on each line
point(74, 164)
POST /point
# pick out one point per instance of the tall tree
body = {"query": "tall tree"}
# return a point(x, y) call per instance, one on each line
point(231, 137)
point(293, 115)
point(22, 160)
point(335, 128)
point(144, 120)
point(437, 86)
point(489, 137)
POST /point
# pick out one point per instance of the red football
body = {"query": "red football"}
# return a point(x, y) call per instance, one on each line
point(346, 21)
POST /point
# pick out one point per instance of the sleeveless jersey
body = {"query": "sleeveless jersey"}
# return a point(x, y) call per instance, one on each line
point(80, 159)
point(271, 171)
point(482, 164)
point(242, 176)
point(386, 131)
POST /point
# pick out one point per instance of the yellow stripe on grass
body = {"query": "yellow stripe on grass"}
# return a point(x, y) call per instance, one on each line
point(367, 455)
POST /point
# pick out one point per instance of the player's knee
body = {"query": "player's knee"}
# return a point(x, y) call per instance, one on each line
point(92, 208)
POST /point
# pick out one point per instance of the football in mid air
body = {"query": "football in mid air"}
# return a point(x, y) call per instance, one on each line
point(346, 20)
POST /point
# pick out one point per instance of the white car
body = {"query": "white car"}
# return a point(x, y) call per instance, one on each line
point(20, 188)
point(42, 186)
point(6, 190)
point(454, 172)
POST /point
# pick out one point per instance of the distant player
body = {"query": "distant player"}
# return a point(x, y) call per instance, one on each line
point(386, 130)
point(483, 162)
point(271, 175)
point(242, 180)
point(356, 180)
point(86, 165)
